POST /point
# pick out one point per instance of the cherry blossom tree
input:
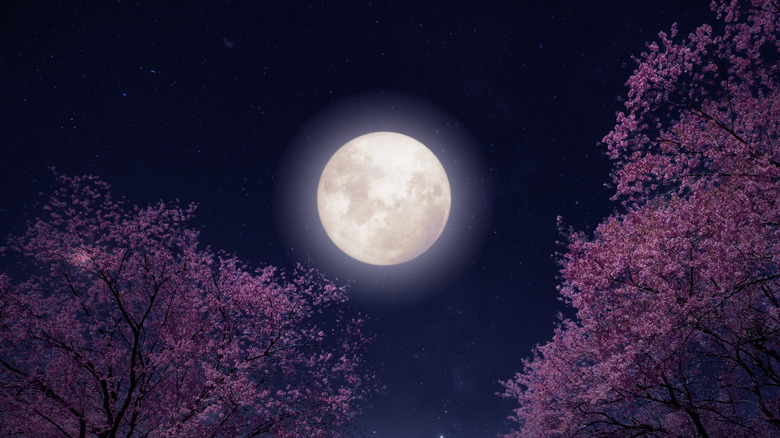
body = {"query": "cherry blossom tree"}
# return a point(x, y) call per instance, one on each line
point(123, 326)
point(677, 327)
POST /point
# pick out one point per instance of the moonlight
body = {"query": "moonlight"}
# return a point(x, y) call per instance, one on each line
point(383, 198)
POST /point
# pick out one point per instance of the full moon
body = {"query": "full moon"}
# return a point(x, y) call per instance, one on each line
point(383, 198)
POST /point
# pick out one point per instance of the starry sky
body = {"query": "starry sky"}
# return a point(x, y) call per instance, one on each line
point(229, 104)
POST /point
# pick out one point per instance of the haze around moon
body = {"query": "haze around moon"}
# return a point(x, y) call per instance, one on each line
point(383, 198)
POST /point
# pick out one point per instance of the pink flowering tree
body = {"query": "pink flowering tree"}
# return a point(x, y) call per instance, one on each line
point(677, 327)
point(123, 326)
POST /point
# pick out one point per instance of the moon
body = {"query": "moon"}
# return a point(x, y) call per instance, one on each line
point(383, 198)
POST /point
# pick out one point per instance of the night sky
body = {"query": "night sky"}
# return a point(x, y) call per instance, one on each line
point(234, 105)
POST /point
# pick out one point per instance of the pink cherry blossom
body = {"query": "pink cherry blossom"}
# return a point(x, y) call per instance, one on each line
point(124, 326)
point(677, 327)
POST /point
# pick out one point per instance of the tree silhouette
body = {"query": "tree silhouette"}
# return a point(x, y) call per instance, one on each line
point(124, 327)
point(677, 328)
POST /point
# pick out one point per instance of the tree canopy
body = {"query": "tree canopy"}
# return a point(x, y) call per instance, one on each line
point(125, 326)
point(677, 327)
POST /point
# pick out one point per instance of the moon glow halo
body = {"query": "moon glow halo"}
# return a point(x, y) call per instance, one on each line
point(383, 198)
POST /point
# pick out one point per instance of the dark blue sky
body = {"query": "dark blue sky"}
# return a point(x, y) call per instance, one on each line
point(207, 101)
